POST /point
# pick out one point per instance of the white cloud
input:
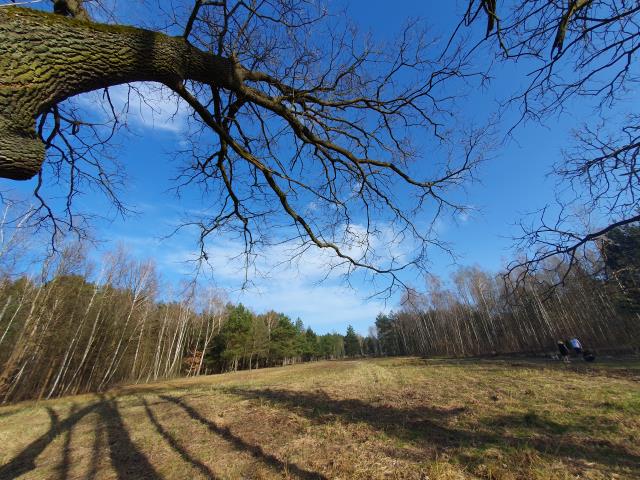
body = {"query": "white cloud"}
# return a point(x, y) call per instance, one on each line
point(298, 288)
point(325, 307)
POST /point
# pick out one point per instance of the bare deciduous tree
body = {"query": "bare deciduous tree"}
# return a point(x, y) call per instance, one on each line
point(300, 123)
point(582, 50)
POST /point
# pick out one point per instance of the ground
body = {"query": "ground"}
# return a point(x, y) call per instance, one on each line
point(400, 418)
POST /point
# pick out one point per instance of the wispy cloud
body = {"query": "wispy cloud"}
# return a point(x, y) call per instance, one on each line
point(142, 106)
point(300, 288)
point(326, 306)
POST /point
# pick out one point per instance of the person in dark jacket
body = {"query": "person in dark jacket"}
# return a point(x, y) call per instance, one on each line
point(564, 351)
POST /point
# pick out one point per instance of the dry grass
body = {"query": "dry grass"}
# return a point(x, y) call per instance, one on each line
point(370, 419)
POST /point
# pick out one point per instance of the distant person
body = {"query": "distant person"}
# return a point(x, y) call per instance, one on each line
point(576, 345)
point(564, 351)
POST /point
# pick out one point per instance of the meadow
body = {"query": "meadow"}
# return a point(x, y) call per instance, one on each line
point(391, 418)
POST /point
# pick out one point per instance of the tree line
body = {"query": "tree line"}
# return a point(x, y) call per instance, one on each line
point(247, 340)
point(72, 329)
point(597, 300)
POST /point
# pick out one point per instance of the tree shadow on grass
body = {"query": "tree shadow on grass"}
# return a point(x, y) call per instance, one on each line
point(240, 444)
point(25, 461)
point(98, 442)
point(8, 414)
point(540, 423)
point(428, 427)
point(405, 423)
point(175, 444)
point(127, 460)
point(65, 464)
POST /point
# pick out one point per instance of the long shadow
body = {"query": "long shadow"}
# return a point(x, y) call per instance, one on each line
point(427, 425)
point(171, 440)
point(127, 460)
point(98, 441)
point(65, 464)
point(408, 423)
point(25, 461)
point(542, 424)
point(255, 450)
point(8, 414)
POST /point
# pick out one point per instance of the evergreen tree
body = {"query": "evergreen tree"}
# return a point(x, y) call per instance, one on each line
point(331, 345)
point(352, 343)
point(283, 341)
point(369, 346)
point(621, 252)
point(388, 338)
point(311, 345)
point(234, 340)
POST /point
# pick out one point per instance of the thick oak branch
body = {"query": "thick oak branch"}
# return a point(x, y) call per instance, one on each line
point(47, 58)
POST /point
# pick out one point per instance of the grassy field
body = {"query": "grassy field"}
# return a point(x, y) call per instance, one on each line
point(387, 418)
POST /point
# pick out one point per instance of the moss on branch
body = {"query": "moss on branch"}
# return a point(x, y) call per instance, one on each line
point(47, 58)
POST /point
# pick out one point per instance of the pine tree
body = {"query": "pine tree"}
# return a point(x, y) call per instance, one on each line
point(621, 252)
point(352, 343)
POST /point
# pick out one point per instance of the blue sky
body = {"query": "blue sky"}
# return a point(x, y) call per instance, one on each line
point(512, 183)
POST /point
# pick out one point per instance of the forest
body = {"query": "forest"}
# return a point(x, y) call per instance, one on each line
point(73, 328)
point(67, 331)
point(597, 300)
point(461, 180)
point(302, 135)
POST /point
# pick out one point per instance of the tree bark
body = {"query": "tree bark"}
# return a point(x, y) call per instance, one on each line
point(47, 58)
